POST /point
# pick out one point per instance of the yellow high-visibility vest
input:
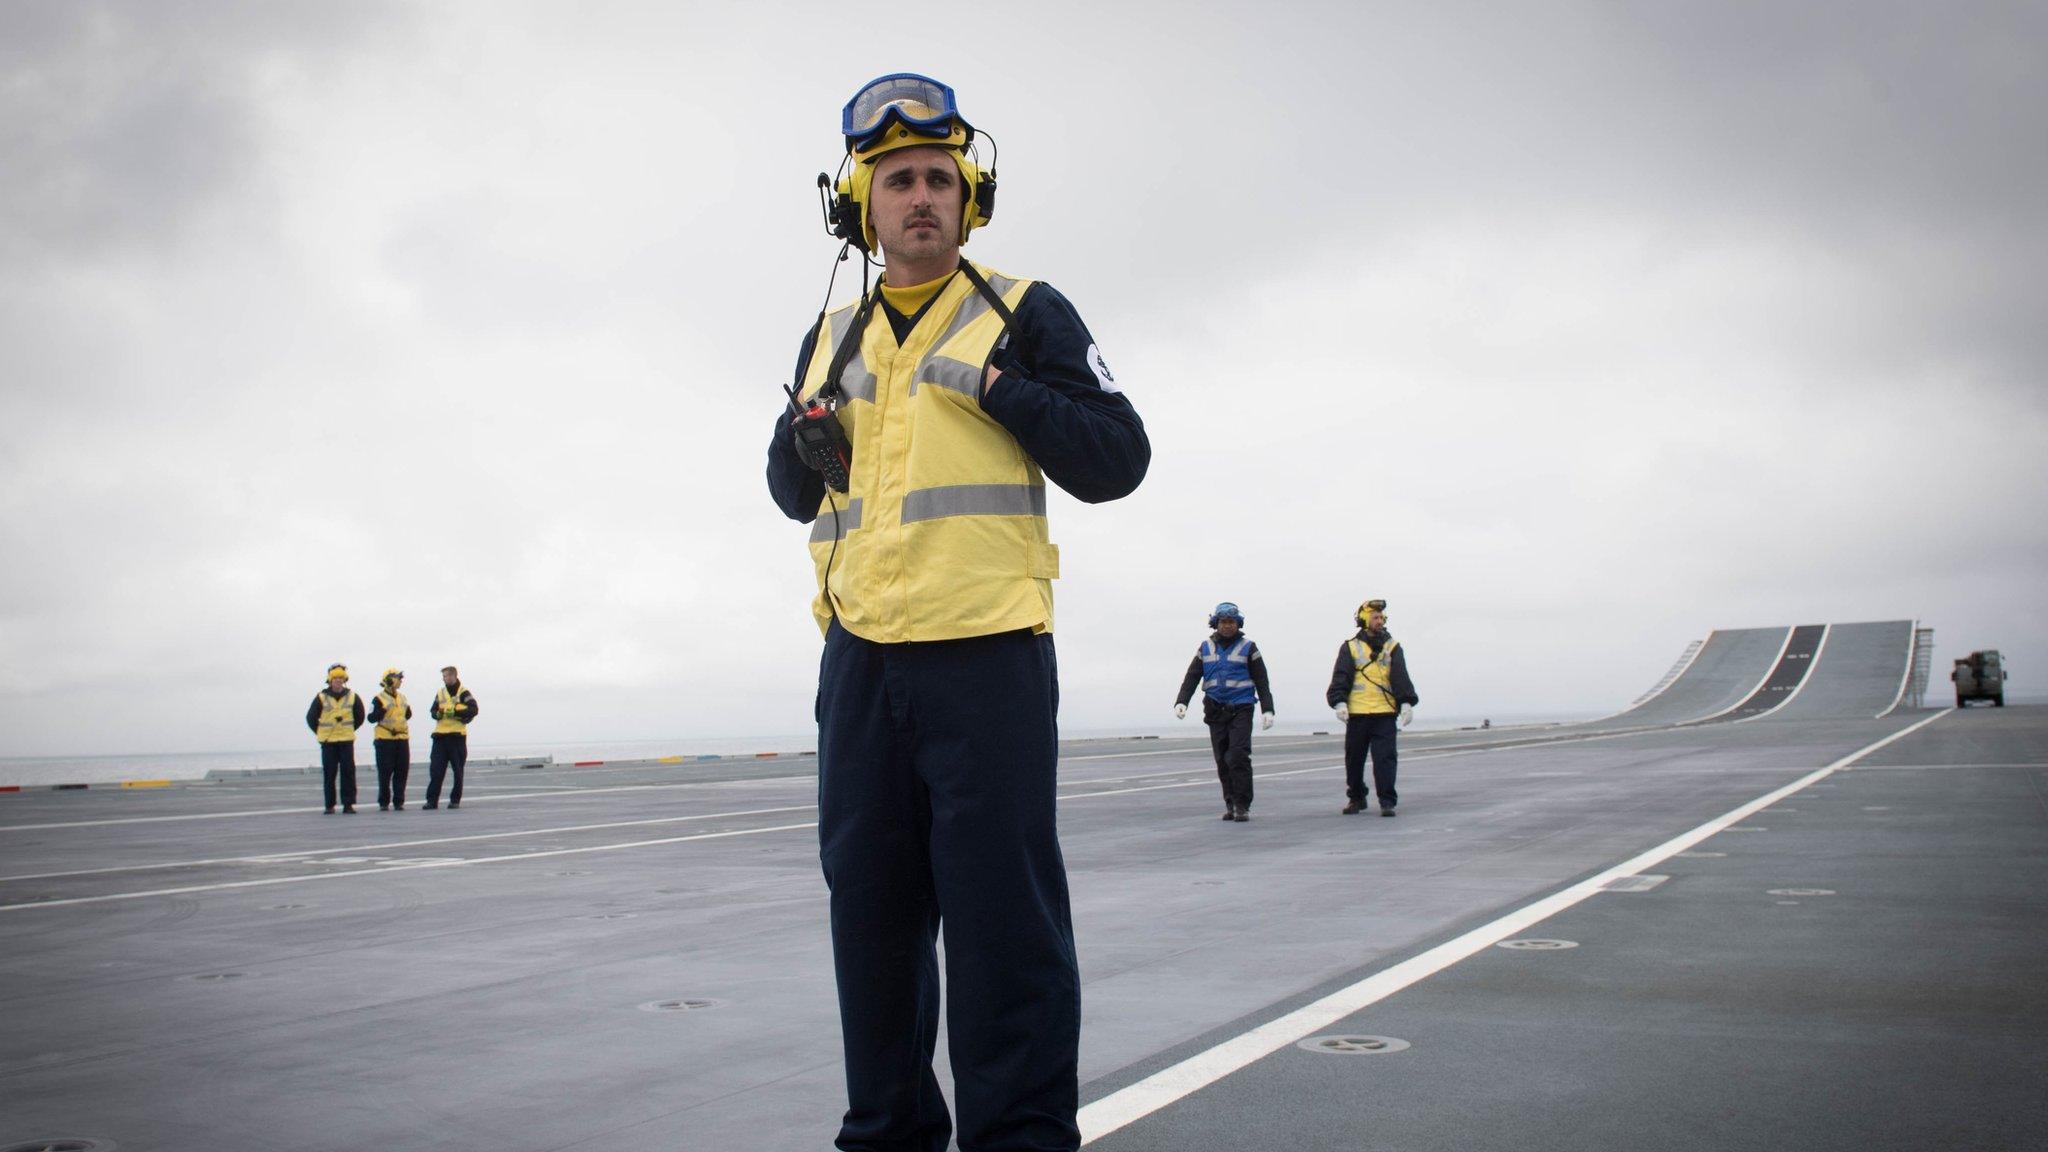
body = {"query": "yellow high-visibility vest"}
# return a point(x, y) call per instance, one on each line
point(337, 719)
point(1372, 679)
point(943, 533)
point(447, 704)
point(393, 725)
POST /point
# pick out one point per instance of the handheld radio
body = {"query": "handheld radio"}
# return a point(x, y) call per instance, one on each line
point(821, 441)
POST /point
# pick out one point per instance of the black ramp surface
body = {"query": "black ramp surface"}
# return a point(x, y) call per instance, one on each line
point(1859, 672)
point(1729, 667)
point(1785, 679)
point(1854, 968)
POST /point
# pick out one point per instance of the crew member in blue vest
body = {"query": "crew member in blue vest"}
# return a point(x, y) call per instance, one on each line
point(1369, 690)
point(1233, 679)
point(931, 413)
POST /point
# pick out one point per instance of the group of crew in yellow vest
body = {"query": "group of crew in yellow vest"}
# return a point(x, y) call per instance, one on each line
point(337, 712)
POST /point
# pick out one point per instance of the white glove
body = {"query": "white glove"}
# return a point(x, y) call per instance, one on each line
point(1180, 711)
point(1343, 712)
point(1407, 714)
point(1266, 720)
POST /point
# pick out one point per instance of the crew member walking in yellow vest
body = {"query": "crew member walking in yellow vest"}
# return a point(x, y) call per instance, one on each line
point(391, 738)
point(334, 716)
point(1369, 688)
point(453, 710)
point(932, 413)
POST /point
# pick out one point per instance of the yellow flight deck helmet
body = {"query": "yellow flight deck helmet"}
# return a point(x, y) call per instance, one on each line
point(392, 676)
point(1366, 610)
point(902, 110)
point(340, 670)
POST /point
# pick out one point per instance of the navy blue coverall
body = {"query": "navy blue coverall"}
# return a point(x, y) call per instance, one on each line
point(936, 771)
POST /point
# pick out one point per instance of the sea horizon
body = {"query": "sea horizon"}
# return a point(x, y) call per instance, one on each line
point(108, 768)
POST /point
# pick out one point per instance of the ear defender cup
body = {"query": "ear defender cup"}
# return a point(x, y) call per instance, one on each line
point(984, 194)
point(846, 216)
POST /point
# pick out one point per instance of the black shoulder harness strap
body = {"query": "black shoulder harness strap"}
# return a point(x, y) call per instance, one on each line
point(988, 294)
point(848, 344)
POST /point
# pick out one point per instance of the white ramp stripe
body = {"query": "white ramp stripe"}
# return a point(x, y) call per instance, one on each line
point(1130, 1104)
point(1906, 674)
point(1820, 652)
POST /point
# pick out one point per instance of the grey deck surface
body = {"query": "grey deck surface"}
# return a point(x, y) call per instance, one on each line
point(476, 979)
point(1856, 967)
point(1729, 667)
point(1858, 674)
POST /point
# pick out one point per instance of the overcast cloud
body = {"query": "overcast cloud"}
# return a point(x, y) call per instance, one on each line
point(425, 334)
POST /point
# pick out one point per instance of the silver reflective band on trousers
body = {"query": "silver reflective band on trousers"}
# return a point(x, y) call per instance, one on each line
point(974, 500)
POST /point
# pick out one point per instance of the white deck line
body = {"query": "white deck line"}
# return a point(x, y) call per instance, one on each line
point(1906, 677)
point(1130, 1104)
point(1820, 651)
point(1768, 673)
point(1205, 780)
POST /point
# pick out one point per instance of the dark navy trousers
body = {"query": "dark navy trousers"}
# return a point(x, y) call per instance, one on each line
point(338, 762)
point(446, 751)
point(1374, 732)
point(394, 764)
point(1230, 738)
point(936, 811)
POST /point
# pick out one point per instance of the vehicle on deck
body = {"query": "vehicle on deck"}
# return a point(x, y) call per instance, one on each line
point(1980, 676)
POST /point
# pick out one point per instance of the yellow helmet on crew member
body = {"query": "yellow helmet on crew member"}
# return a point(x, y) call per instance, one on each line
point(902, 110)
point(340, 670)
point(391, 676)
point(1365, 611)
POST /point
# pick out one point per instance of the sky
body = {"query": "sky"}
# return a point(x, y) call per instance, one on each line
point(408, 335)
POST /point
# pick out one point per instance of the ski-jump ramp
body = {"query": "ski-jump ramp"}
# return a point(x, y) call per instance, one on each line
point(1808, 672)
point(1729, 668)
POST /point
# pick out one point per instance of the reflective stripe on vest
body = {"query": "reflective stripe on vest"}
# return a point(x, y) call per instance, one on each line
point(393, 725)
point(447, 705)
point(1372, 679)
point(943, 534)
point(829, 527)
point(1226, 672)
point(337, 719)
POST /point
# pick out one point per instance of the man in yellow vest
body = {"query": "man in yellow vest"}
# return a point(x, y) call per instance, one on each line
point(1369, 688)
point(334, 716)
point(392, 740)
point(931, 413)
point(453, 709)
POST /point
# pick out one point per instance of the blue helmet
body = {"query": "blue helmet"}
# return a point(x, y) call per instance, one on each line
point(1226, 611)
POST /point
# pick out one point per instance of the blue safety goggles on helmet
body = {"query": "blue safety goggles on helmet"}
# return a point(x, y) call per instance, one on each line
point(919, 103)
point(1226, 611)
